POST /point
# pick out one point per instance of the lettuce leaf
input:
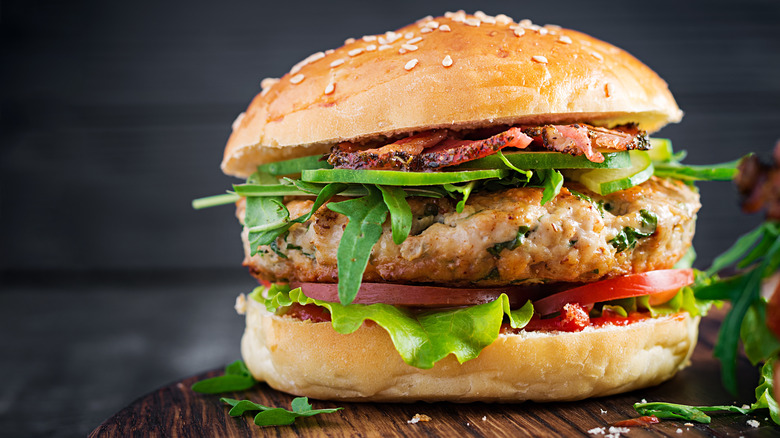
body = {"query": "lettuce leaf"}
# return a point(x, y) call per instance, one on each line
point(764, 392)
point(421, 338)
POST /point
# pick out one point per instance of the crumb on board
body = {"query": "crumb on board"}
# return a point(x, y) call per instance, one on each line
point(688, 425)
point(679, 430)
point(603, 411)
point(419, 417)
point(484, 418)
point(753, 423)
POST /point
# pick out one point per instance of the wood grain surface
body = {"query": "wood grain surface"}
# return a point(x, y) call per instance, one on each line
point(177, 411)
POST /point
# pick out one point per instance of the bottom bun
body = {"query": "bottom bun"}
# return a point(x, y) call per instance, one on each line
point(311, 359)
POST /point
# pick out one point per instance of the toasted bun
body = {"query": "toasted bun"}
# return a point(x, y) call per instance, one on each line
point(311, 359)
point(545, 75)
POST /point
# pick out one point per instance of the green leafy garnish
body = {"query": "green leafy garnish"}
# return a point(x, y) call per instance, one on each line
point(236, 378)
point(275, 416)
point(715, 172)
point(552, 181)
point(213, 201)
point(684, 412)
point(628, 237)
point(421, 338)
point(508, 164)
point(522, 233)
point(400, 212)
point(366, 216)
point(765, 391)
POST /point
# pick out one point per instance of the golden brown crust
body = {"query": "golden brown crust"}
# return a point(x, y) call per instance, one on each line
point(311, 359)
point(546, 75)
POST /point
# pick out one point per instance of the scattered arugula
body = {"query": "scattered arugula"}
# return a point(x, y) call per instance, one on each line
point(268, 416)
point(236, 378)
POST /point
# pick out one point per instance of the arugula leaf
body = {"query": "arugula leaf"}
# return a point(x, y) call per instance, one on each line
point(552, 181)
point(715, 172)
point(275, 416)
point(684, 412)
point(464, 190)
point(759, 342)
point(366, 216)
point(236, 378)
point(421, 338)
point(400, 212)
point(509, 164)
point(765, 392)
point(737, 250)
point(213, 201)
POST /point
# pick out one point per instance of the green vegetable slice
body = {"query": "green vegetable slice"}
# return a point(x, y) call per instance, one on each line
point(548, 160)
point(397, 178)
point(660, 149)
point(606, 181)
point(296, 165)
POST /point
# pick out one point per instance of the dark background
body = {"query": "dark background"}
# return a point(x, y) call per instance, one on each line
point(113, 116)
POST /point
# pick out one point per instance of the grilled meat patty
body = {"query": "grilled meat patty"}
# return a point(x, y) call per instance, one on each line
point(500, 238)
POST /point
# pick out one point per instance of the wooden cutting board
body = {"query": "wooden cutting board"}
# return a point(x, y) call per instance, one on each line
point(177, 411)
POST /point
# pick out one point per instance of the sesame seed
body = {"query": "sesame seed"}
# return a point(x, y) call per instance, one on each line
point(409, 35)
point(540, 59)
point(409, 47)
point(526, 22)
point(385, 47)
point(337, 63)
point(447, 61)
point(472, 22)
point(432, 24)
point(480, 14)
point(449, 14)
point(308, 60)
point(553, 26)
point(297, 79)
point(356, 52)
point(519, 32)
point(542, 31)
point(425, 18)
point(349, 41)
point(459, 17)
point(489, 20)
point(410, 65)
point(444, 28)
point(381, 40)
point(330, 88)
point(401, 51)
point(392, 37)
point(597, 56)
point(369, 38)
point(564, 39)
point(329, 51)
point(503, 19)
point(535, 27)
point(370, 47)
point(426, 30)
point(414, 40)
point(268, 83)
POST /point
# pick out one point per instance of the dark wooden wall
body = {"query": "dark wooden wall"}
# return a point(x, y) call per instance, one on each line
point(113, 116)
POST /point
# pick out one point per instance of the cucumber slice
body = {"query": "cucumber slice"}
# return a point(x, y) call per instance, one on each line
point(606, 181)
point(661, 149)
point(549, 160)
point(296, 165)
point(397, 178)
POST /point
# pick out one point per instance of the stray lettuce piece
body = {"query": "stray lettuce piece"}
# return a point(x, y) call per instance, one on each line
point(421, 338)
point(236, 378)
point(366, 216)
point(275, 416)
point(765, 391)
point(400, 212)
point(684, 412)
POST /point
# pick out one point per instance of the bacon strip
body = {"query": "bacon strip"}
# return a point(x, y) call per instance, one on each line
point(432, 150)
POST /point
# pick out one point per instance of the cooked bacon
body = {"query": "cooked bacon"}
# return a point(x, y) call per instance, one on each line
point(451, 152)
point(759, 185)
point(400, 155)
point(432, 150)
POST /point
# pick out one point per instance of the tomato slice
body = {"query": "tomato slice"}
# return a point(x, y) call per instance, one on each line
point(424, 296)
point(661, 285)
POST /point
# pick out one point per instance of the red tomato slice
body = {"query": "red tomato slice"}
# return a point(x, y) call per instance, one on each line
point(661, 285)
point(424, 296)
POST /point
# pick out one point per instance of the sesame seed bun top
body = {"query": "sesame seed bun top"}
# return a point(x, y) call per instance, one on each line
point(458, 71)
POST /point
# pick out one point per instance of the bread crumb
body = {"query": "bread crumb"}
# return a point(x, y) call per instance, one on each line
point(688, 424)
point(643, 401)
point(745, 407)
point(597, 431)
point(240, 305)
point(603, 411)
point(679, 430)
point(618, 430)
point(484, 418)
point(419, 417)
point(753, 423)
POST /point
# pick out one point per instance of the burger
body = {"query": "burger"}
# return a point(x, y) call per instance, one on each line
point(468, 208)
